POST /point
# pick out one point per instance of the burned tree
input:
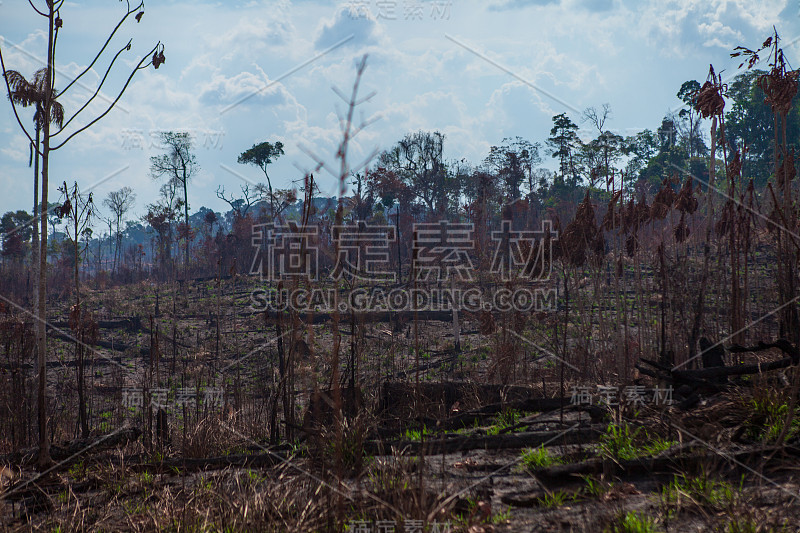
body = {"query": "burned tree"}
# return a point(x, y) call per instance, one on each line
point(262, 155)
point(47, 100)
point(78, 210)
point(179, 165)
point(119, 202)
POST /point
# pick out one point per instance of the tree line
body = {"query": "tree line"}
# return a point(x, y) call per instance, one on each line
point(409, 182)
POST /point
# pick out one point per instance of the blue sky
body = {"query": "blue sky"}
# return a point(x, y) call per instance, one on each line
point(478, 71)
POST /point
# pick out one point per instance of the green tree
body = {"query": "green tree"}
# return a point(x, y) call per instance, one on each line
point(606, 146)
point(654, 156)
point(667, 133)
point(599, 155)
point(16, 229)
point(262, 155)
point(749, 125)
point(514, 161)
point(640, 148)
point(688, 95)
point(563, 143)
point(669, 161)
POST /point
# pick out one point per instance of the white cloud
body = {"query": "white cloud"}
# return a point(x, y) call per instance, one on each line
point(361, 29)
point(686, 24)
point(26, 56)
point(251, 38)
point(17, 150)
point(229, 90)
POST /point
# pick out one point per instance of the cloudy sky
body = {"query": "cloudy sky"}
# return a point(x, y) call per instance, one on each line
point(238, 73)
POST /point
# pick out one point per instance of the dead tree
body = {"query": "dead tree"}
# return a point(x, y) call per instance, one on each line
point(713, 356)
point(48, 98)
point(78, 210)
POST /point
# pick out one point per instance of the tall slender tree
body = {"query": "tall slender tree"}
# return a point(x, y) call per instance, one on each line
point(31, 93)
point(688, 94)
point(607, 144)
point(119, 202)
point(563, 141)
point(262, 155)
point(49, 142)
point(78, 209)
point(179, 165)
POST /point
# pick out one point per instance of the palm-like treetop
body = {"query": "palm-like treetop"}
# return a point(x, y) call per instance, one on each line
point(27, 93)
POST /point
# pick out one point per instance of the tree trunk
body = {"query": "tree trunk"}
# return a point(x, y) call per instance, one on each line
point(44, 460)
point(186, 221)
point(79, 350)
point(399, 260)
point(694, 333)
point(35, 247)
point(456, 325)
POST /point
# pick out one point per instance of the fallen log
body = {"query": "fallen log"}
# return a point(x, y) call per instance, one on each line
point(100, 361)
point(81, 446)
point(445, 359)
point(116, 346)
point(663, 463)
point(651, 373)
point(537, 405)
point(530, 439)
point(406, 401)
point(73, 451)
point(370, 316)
point(735, 370)
point(656, 364)
point(707, 376)
point(596, 413)
point(213, 463)
point(782, 344)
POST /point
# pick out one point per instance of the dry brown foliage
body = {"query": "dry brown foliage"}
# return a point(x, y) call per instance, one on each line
point(686, 202)
point(582, 235)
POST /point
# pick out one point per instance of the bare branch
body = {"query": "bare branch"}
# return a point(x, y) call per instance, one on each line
point(37, 10)
point(597, 117)
point(340, 94)
point(13, 106)
point(79, 76)
point(97, 91)
point(111, 106)
point(242, 205)
point(55, 43)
